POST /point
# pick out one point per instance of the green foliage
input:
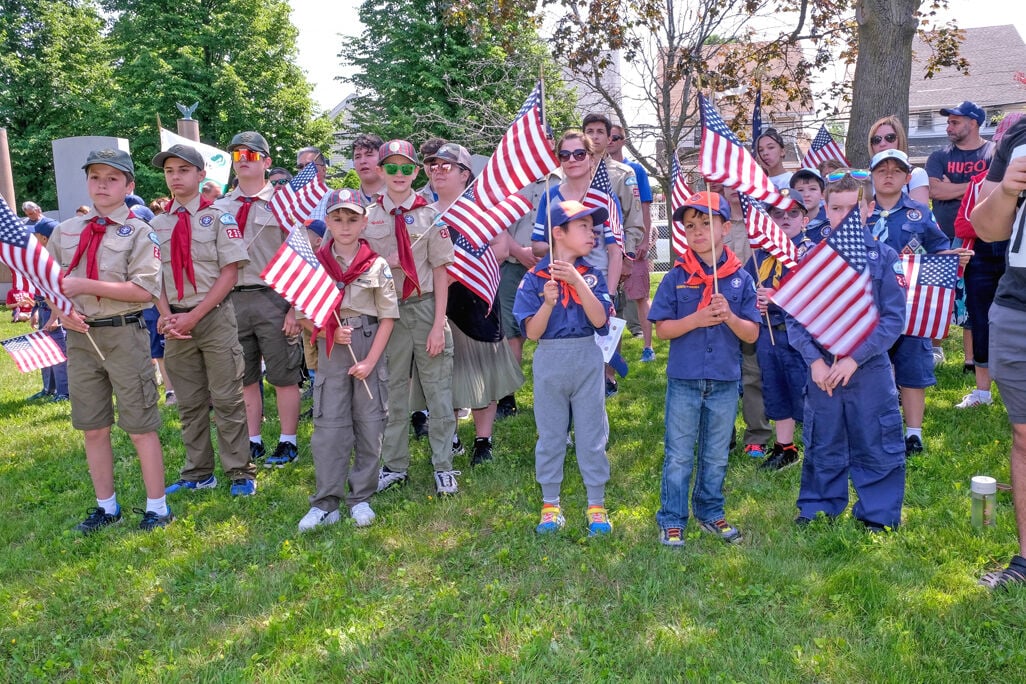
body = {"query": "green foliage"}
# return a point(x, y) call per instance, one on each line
point(351, 180)
point(461, 590)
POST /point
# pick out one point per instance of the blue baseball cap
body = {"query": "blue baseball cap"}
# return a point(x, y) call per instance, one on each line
point(967, 108)
point(567, 210)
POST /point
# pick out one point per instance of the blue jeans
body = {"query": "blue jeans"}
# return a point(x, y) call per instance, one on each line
point(702, 412)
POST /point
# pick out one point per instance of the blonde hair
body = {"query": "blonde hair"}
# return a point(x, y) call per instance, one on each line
point(899, 129)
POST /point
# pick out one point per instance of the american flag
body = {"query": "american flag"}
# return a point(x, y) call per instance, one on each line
point(295, 273)
point(764, 233)
point(34, 351)
point(930, 300)
point(28, 259)
point(757, 121)
point(823, 147)
point(600, 194)
point(19, 282)
point(471, 218)
point(679, 193)
point(830, 293)
point(723, 159)
point(475, 265)
point(294, 201)
point(523, 156)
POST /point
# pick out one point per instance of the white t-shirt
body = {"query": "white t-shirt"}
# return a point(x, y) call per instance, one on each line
point(782, 181)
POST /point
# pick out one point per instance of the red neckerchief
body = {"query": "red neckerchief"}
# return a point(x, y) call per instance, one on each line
point(365, 256)
point(402, 239)
point(565, 290)
point(688, 262)
point(88, 244)
point(181, 242)
point(243, 215)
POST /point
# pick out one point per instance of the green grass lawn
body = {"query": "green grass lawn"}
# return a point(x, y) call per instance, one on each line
point(462, 590)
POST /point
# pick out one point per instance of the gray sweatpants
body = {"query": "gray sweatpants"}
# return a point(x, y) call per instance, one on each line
point(568, 374)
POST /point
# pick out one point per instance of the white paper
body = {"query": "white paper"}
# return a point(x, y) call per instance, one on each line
point(607, 343)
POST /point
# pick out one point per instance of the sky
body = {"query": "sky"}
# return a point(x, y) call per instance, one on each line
point(320, 41)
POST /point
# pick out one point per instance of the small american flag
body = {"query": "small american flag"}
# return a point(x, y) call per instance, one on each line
point(764, 233)
point(600, 194)
point(471, 218)
point(830, 293)
point(295, 273)
point(723, 159)
point(823, 147)
point(680, 191)
point(296, 200)
point(523, 156)
point(931, 282)
point(34, 351)
point(28, 259)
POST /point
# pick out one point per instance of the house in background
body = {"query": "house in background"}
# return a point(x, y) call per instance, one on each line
point(996, 56)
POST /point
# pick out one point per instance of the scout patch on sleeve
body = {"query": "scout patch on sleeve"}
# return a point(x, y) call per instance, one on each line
point(154, 239)
point(443, 232)
point(233, 233)
point(591, 280)
point(228, 220)
point(387, 272)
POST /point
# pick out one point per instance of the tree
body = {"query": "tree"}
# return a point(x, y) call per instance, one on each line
point(54, 83)
point(452, 70)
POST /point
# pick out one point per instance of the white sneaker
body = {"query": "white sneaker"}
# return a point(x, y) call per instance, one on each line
point(463, 414)
point(938, 356)
point(315, 517)
point(388, 478)
point(362, 514)
point(974, 399)
point(445, 482)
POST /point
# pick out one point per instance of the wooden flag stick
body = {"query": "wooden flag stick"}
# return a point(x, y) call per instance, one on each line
point(769, 326)
point(93, 342)
point(712, 235)
point(353, 354)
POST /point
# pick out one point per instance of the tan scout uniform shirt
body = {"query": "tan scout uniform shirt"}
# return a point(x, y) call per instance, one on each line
point(432, 246)
point(625, 185)
point(262, 234)
point(129, 253)
point(372, 293)
point(216, 243)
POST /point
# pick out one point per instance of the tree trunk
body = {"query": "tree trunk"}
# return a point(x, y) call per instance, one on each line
point(883, 69)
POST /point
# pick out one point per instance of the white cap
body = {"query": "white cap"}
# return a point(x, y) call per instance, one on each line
point(981, 484)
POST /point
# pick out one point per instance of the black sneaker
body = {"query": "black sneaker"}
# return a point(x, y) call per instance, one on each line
point(482, 451)
point(285, 453)
point(457, 447)
point(152, 520)
point(611, 388)
point(256, 451)
point(913, 445)
point(507, 407)
point(781, 458)
point(98, 519)
point(419, 421)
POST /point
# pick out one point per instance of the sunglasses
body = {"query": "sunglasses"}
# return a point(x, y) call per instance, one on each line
point(890, 137)
point(280, 181)
point(790, 213)
point(306, 164)
point(616, 138)
point(578, 155)
point(404, 169)
point(444, 167)
point(839, 174)
point(247, 155)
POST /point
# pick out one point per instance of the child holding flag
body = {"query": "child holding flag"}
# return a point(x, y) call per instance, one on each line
point(706, 314)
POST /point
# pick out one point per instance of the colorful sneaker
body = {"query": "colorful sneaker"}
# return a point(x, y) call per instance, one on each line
point(782, 457)
point(647, 355)
point(98, 519)
point(243, 487)
point(285, 453)
point(482, 451)
point(724, 530)
point(671, 536)
point(256, 451)
point(209, 483)
point(913, 445)
point(755, 450)
point(152, 520)
point(551, 519)
point(974, 399)
point(390, 478)
point(316, 517)
point(445, 482)
point(362, 514)
point(598, 521)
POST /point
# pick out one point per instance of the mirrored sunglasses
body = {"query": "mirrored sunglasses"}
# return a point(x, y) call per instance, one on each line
point(247, 155)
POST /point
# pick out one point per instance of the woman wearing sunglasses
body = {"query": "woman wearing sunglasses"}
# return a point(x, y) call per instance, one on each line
point(889, 134)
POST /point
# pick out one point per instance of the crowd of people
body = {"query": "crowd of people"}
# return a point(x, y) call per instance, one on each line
point(417, 343)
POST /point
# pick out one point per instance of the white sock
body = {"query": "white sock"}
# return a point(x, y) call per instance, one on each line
point(258, 439)
point(983, 394)
point(291, 439)
point(158, 506)
point(549, 501)
point(110, 506)
point(914, 432)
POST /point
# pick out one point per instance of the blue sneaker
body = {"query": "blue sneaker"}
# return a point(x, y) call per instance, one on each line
point(285, 453)
point(243, 487)
point(551, 519)
point(647, 355)
point(209, 483)
point(598, 521)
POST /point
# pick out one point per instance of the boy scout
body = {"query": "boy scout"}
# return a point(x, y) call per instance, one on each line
point(267, 324)
point(202, 251)
point(400, 227)
point(111, 264)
